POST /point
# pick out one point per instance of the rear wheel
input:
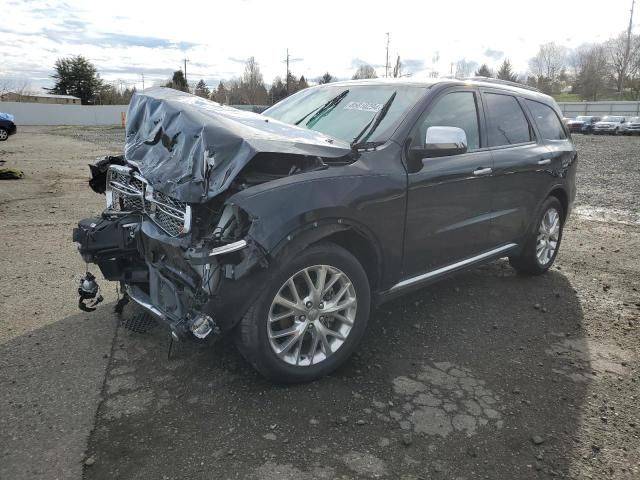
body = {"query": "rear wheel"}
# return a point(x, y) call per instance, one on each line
point(541, 248)
point(4, 134)
point(310, 318)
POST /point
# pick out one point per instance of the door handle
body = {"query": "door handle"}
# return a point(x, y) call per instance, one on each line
point(546, 161)
point(482, 171)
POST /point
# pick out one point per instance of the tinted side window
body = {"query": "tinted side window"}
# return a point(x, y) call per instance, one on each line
point(456, 109)
point(507, 122)
point(547, 121)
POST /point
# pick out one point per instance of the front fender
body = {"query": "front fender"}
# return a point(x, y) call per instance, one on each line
point(285, 212)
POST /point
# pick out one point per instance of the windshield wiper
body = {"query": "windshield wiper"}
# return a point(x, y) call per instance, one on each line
point(370, 127)
point(323, 110)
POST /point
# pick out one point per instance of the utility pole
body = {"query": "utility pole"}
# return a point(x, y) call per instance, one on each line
point(185, 70)
point(287, 60)
point(397, 70)
point(142, 80)
point(627, 49)
point(386, 65)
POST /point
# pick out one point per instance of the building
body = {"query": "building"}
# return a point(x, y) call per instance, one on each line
point(39, 98)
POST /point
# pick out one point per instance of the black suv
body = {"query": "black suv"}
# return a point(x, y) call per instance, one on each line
point(284, 228)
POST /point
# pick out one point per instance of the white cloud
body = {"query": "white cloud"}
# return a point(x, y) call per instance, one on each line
point(127, 38)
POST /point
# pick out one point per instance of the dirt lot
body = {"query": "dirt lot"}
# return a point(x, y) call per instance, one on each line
point(484, 375)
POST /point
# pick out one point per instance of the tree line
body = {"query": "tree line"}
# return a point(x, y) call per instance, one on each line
point(77, 76)
point(592, 70)
point(247, 89)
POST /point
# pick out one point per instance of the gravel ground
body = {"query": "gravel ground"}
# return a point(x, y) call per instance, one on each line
point(609, 178)
point(484, 375)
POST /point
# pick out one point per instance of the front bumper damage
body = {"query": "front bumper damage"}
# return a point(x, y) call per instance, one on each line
point(193, 285)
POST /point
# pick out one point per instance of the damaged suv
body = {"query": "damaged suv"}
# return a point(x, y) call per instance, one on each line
point(283, 229)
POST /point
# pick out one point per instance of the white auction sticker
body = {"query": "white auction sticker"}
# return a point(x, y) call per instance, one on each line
point(363, 106)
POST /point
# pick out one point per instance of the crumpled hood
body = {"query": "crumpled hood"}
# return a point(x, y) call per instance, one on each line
point(191, 148)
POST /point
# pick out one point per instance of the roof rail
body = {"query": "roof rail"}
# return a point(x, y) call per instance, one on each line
point(503, 82)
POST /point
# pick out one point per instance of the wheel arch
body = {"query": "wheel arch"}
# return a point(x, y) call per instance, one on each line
point(562, 196)
point(348, 234)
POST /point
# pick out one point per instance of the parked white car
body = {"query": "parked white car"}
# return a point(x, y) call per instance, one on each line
point(631, 126)
point(610, 124)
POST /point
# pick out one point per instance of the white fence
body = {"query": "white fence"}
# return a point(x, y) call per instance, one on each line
point(573, 109)
point(48, 114)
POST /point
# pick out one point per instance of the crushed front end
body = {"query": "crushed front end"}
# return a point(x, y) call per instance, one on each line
point(169, 257)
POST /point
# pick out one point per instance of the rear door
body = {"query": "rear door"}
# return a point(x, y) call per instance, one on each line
point(519, 162)
point(554, 135)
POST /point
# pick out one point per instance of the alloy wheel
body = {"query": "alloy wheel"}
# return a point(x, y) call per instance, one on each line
point(312, 315)
point(548, 236)
point(3, 134)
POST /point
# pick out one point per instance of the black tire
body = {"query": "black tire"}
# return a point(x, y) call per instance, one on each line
point(527, 261)
point(252, 337)
point(4, 134)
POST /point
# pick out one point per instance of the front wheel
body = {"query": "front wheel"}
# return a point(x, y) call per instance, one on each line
point(3, 134)
point(541, 248)
point(310, 317)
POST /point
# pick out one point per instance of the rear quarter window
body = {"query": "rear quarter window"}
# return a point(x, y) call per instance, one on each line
point(547, 120)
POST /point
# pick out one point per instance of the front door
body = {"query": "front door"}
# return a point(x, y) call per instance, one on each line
point(449, 198)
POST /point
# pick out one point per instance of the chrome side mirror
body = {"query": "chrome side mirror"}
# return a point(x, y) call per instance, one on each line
point(445, 140)
point(441, 142)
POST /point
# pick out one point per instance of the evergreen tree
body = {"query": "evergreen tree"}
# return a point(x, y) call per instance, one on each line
point(484, 71)
point(292, 83)
point(302, 83)
point(326, 78)
point(278, 90)
point(202, 90)
point(506, 73)
point(221, 94)
point(178, 82)
point(76, 76)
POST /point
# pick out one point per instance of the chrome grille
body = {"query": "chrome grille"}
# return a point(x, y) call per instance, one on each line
point(168, 213)
point(125, 193)
point(128, 192)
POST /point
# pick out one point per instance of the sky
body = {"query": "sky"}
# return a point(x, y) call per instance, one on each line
point(129, 39)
